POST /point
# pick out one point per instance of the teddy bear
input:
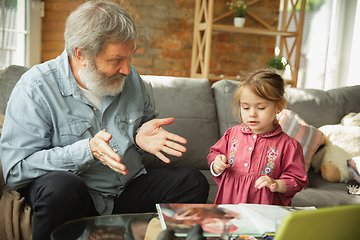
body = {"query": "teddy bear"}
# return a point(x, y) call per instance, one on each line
point(342, 142)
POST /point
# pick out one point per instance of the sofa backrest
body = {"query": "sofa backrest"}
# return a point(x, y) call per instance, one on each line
point(223, 95)
point(320, 108)
point(204, 113)
point(192, 104)
point(8, 78)
point(316, 107)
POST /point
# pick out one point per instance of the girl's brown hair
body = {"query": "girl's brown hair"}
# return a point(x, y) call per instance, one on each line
point(265, 83)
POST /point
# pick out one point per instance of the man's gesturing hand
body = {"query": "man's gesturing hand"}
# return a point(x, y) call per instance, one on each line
point(101, 150)
point(154, 139)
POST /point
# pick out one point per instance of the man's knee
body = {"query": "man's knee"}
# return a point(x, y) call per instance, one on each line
point(63, 181)
point(60, 187)
point(196, 182)
point(193, 175)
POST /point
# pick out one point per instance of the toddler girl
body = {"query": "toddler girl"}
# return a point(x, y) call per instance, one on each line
point(256, 162)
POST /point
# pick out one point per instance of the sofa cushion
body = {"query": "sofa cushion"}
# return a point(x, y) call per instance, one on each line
point(8, 78)
point(308, 136)
point(320, 193)
point(320, 108)
point(223, 94)
point(2, 181)
point(192, 104)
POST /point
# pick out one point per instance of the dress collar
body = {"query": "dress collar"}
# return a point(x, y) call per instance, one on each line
point(275, 131)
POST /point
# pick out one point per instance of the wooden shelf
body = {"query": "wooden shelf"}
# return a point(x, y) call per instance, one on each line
point(204, 27)
point(257, 31)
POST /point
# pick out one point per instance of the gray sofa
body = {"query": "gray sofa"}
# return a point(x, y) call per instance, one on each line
point(204, 112)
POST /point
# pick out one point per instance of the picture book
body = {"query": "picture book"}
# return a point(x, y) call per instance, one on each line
point(236, 219)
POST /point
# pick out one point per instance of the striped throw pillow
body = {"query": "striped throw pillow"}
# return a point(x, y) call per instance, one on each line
point(354, 165)
point(308, 136)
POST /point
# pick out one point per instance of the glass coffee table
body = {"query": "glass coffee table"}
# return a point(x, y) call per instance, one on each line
point(142, 226)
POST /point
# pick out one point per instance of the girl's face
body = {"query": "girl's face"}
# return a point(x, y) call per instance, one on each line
point(258, 113)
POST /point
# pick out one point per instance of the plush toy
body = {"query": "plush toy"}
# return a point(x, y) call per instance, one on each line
point(342, 143)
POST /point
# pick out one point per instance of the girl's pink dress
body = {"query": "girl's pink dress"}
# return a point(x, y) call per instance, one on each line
point(253, 155)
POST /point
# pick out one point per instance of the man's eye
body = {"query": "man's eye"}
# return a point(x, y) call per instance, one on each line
point(117, 61)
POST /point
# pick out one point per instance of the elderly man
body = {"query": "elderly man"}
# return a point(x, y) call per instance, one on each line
point(75, 126)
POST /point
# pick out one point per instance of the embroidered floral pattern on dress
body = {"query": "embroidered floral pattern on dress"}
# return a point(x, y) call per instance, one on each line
point(271, 155)
point(245, 128)
point(233, 149)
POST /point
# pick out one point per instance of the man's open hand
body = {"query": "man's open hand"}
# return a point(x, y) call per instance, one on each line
point(101, 150)
point(154, 139)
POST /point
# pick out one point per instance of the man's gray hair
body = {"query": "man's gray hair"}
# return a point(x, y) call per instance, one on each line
point(95, 24)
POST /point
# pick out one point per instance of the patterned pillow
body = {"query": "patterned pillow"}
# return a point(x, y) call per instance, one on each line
point(308, 136)
point(353, 185)
point(354, 166)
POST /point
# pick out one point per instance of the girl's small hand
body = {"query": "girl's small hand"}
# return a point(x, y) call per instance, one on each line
point(220, 164)
point(273, 185)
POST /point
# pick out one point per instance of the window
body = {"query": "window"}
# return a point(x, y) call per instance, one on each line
point(328, 44)
point(18, 19)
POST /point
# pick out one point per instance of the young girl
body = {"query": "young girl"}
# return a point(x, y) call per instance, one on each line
point(256, 162)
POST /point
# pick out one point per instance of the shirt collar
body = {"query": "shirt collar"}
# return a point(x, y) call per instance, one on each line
point(67, 83)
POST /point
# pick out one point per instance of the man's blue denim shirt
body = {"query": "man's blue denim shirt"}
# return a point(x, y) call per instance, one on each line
point(48, 124)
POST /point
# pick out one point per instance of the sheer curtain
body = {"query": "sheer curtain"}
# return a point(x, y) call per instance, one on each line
point(330, 49)
point(13, 33)
point(19, 18)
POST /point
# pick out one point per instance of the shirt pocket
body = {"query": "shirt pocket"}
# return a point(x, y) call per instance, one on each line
point(128, 122)
point(73, 131)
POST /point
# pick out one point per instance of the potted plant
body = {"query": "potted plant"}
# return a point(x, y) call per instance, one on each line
point(277, 62)
point(239, 8)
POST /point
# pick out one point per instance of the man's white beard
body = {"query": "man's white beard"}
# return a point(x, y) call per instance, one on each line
point(98, 82)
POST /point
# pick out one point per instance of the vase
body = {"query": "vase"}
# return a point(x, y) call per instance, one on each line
point(239, 21)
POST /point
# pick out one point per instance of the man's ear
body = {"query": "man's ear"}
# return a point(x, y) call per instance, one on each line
point(80, 56)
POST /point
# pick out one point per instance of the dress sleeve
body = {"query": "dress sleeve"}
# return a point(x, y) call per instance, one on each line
point(293, 171)
point(220, 147)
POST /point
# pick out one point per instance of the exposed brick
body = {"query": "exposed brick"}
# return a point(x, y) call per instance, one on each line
point(66, 6)
point(54, 46)
point(45, 56)
point(54, 26)
point(224, 47)
point(52, 36)
point(140, 51)
point(55, 15)
point(145, 62)
point(180, 54)
point(166, 43)
point(166, 36)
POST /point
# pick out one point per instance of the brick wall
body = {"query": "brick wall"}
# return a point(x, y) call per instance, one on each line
point(165, 36)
